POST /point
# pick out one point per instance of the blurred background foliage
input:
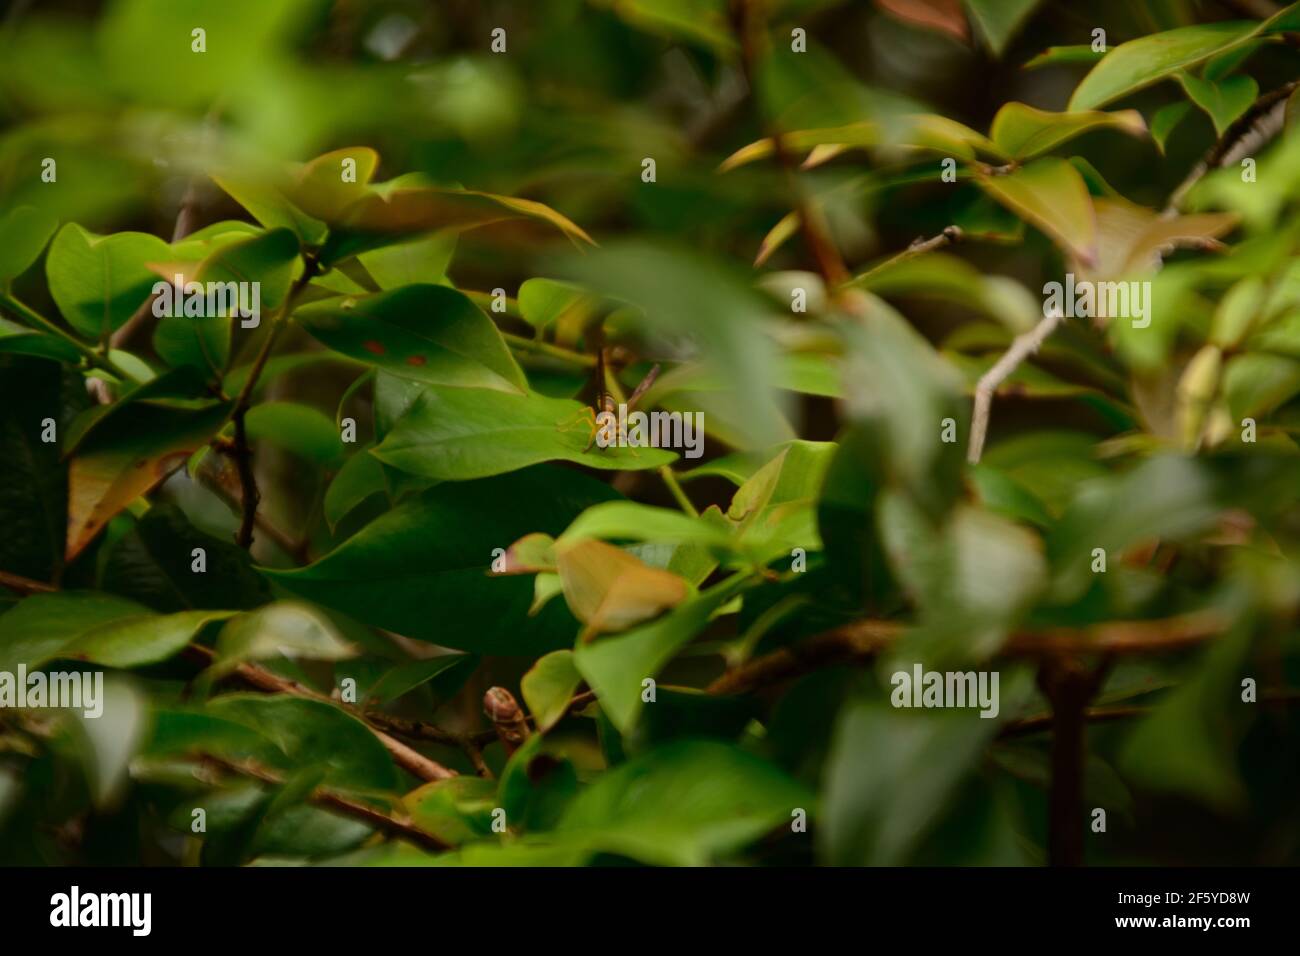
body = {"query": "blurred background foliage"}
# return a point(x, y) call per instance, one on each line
point(824, 430)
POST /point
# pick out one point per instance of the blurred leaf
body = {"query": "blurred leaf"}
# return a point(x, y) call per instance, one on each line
point(999, 20)
point(444, 673)
point(282, 629)
point(684, 804)
point(684, 294)
point(24, 232)
point(1054, 55)
point(457, 810)
point(313, 734)
point(891, 775)
point(96, 628)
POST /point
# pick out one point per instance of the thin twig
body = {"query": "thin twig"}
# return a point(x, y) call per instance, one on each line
point(297, 549)
point(1262, 120)
point(471, 743)
point(333, 800)
point(1021, 348)
point(412, 761)
point(866, 638)
point(241, 452)
point(92, 357)
point(16, 582)
point(920, 246)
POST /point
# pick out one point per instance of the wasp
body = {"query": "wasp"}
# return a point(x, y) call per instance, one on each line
point(605, 410)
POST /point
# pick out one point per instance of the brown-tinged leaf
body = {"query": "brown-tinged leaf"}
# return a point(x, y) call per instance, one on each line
point(609, 589)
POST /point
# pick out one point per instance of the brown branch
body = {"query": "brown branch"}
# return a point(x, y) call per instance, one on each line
point(250, 497)
point(1069, 687)
point(298, 549)
point(471, 743)
point(259, 678)
point(1262, 121)
point(16, 582)
point(1093, 715)
point(333, 800)
point(747, 27)
point(865, 638)
point(243, 455)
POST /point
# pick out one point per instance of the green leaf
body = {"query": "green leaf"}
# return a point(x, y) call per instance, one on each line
point(314, 734)
point(446, 672)
point(1223, 101)
point(457, 810)
point(152, 563)
point(269, 207)
point(1050, 194)
point(999, 20)
point(1166, 120)
point(24, 232)
point(633, 521)
point(422, 568)
point(684, 804)
point(96, 628)
point(361, 476)
point(544, 302)
point(267, 260)
point(134, 451)
point(684, 294)
point(890, 776)
point(1023, 131)
point(548, 687)
point(1255, 384)
point(423, 260)
point(700, 21)
point(1054, 55)
point(1139, 63)
point(305, 431)
point(428, 333)
point(1186, 745)
point(282, 629)
point(98, 282)
point(20, 340)
point(1164, 497)
point(615, 666)
point(453, 434)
